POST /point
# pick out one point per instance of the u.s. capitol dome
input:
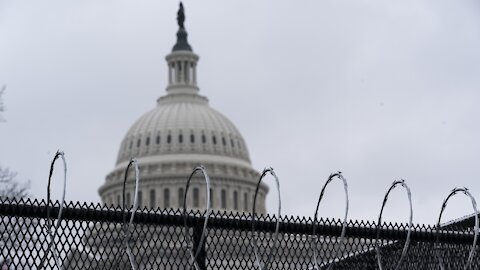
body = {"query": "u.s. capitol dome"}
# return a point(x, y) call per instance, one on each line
point(181, 132)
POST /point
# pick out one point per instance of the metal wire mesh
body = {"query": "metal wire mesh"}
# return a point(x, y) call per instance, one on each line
point(90, 237)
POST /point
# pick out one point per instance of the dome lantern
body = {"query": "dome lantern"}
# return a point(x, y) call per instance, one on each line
point(182, 62)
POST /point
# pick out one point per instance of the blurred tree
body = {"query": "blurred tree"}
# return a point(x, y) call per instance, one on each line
point(15, 231)
point(10, 187)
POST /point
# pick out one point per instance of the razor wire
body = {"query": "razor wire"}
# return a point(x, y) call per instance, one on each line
point(126, 227)
point(190, 247)
point(315, 220)
point(379, 224)
point(444, 205)
point(254, 242)
point(52, 229)
point(345, 232)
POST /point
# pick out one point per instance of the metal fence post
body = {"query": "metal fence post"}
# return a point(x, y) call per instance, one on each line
point(202, 256)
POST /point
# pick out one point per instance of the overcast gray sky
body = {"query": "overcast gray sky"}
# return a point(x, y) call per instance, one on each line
point(379, 90)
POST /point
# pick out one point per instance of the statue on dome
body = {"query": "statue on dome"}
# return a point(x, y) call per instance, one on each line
point(181, 16)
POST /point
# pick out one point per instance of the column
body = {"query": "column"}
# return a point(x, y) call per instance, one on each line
point(182, 72)
point(177, 71)
point(186, 71)
point(195, 73)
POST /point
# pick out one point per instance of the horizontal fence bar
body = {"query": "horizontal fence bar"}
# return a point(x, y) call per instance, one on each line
point(240, 223)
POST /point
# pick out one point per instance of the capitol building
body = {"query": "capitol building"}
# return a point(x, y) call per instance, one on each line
point(180, 133)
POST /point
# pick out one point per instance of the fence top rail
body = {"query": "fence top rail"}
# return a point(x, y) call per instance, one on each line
point(234, 221)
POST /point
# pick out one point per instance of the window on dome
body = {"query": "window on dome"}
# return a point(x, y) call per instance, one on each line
point(224, 199)
point(180, 138)
point(196, 198)
point(245, 201)
point(138, 142)
point(211, 198)
point(158, 139)
point(140, 199)
point(169, 138)
point(153, 198)
point(147, 142)
point(204, 139)
point(214, 139)
point(180, 197)
point(166, 198)
point(127, 200)
point(224, 141)
point(231, 142)
point(131, 144)
point(192, 138)
point(235, 200)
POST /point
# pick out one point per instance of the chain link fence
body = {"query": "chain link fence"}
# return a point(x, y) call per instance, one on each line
point(90, 236)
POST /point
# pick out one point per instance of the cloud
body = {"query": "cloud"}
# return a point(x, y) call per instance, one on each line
point(375, 89)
